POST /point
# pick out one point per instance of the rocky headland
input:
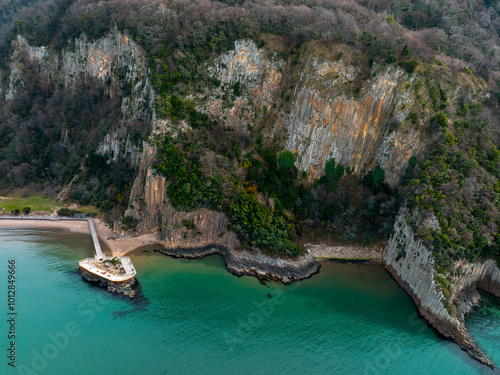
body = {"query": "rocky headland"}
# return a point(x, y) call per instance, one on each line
point(326, 107)
point(411, 263)
point(257, 264)
point(125, 287)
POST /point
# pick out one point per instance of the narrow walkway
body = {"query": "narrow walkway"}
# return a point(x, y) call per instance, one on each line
point(96, 266)
point(92, 265)
point(98, 251)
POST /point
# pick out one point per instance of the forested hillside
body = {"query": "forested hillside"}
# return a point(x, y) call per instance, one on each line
point(222, 146)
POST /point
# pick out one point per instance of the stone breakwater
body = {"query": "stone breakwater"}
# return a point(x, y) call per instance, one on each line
point(125, 287)
point(261, 266)
point(411, 264)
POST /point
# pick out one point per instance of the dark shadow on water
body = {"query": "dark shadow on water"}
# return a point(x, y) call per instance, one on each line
point(138, 303)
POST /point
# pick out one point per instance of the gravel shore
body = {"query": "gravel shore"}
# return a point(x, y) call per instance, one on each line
point(321, 251)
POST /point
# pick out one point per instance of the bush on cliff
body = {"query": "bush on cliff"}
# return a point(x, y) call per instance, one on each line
point(256, 224)
point(459, 183)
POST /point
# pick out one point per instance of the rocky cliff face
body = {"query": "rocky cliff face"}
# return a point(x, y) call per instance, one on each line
point(412, 265)
point(360, 118)
point(324, 107)
point(319, 107)
point(209, 234)
point(259, 76)
point(325, 119)
point(325, 123)
point(115, 62)
point(111, 58)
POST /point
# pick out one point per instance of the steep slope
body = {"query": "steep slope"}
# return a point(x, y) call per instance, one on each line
point(317, 105)
point(412, 264)
point(114, 61)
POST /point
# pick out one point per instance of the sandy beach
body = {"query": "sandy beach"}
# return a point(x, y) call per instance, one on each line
point(123, 245)
point(73, 226)
point(117, 246)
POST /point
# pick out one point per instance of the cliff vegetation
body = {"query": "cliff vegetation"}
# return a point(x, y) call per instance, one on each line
point(297, 121)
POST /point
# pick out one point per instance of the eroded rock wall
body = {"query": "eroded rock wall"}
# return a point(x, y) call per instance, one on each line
point(115, 62)
point(259, 77)
point(325, 123)
point(411, 263)
point(109, 59)
point(339, 110)
point(467, 278)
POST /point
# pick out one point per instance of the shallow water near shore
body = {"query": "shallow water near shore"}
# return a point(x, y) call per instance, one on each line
point(196, 318)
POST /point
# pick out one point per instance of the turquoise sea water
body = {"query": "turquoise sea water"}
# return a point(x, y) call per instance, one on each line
point(196, 318)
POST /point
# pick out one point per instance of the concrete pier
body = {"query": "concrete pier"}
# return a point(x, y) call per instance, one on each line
point(97, 246)
point(116, 269)
point(100, 265)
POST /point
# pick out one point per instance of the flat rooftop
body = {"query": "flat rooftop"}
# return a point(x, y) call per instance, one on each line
point(110, 268)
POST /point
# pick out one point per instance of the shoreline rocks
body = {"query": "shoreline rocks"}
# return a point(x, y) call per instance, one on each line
point(257, 264)
point(411, 264)
point(345, 253)
point(125, 287)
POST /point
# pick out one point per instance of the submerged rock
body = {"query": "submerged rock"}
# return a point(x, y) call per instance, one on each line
point(125, 287)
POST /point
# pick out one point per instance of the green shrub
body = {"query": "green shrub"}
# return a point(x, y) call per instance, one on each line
point(333, 172)
point(67, 212)
point(410, 66)
point(115, 261)
point(412, 116)
point(391, 58)
point(129, 223)
point(189, 224)
point(286, 159)
point(439, 121)
point(378, 176)
point(237, 88)
point(406, 50)
point(466, 70)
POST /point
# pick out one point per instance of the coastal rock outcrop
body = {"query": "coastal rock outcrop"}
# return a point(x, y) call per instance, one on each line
point(411, 263)
point(203, 232)
point(125, 287)
point(257, 264)
point(265, 267)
